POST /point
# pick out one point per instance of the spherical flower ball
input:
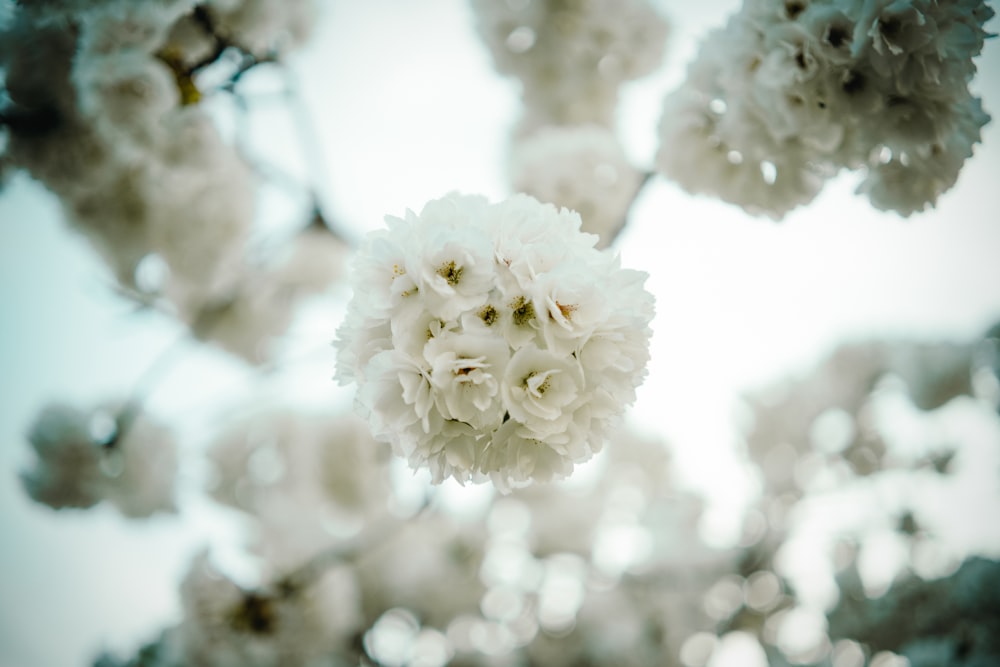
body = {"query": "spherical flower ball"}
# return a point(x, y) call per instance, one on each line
point(493, 340)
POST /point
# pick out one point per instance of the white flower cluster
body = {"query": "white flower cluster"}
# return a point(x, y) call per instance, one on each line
point(253, 315)
point(138, 167)
point(572, 57)
point(225, 625)
point(307, 479)
point(833, 410)
point(104, 454)
point(581, 167)
point(108, 96)
point(493, 339)
point(791, 91)
point(264, 27)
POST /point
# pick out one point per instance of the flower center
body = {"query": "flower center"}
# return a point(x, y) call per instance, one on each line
point(523, 309)
point(538, 383)
point(567, 310)
point(256, 615)
point(488, 315)
point(794, 8)
point(450, 272)
point(836, 36)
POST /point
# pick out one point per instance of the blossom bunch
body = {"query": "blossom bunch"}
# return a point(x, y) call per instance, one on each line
point(789, 92)
point(264, 27)
point(572, 57)
point(306, 479)
point(140, 169)
point(86, 456)
point(580, 167)
point(106, 111)
point(251, 317)
point(493, 339)
point(280, 623)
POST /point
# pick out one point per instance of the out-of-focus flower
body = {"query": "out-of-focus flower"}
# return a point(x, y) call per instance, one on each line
point(84, 457)
point(572, 57)
point(582, 168)
point(225, 625)
point(308, 479)
point(314, 260)
point(493, 339)
point(125, 95)
point(264, 27)
point(901, 181)
point(123, 28)
point(251, 317)
point(104, 101)
point(408, 568)
point(950, 620)
point(829, 414)
point(787, 94)
point(189, 202)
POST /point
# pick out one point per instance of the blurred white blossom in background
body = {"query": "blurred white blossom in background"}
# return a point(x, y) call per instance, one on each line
point(790, 92)
point(105, 454)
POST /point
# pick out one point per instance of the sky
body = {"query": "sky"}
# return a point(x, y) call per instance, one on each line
point(401, 106)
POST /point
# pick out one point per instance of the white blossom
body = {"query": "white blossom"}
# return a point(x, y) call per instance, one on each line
point(466, 372)
point(541, 388)
point(907, 182)
point(486, 341)
point(225, 625)
point(454, 272)
point(786, 94)
point(426, 550)
point(298, 473)
point(264, 27)
point(108, 453)
point(314, 260)
point(583, 168)
point(125, 94)
point(141, 169)
point(571, 57)
point(123, 27)
point(286, 451)
point(516, 456)
point(250, 319)
point(189, 201)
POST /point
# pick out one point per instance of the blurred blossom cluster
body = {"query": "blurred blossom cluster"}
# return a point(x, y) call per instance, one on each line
point(290, 470)
point(610, 566)
point(863, 465)
point(789, 92)
point(571, 59)
point(582, 167)
point(108, 108)
point(501, 343)
point(83, 457)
